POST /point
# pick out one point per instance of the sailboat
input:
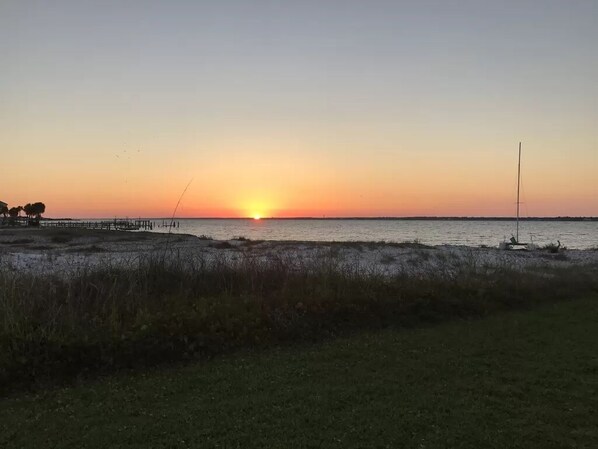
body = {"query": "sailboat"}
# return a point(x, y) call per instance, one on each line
point(514, 243)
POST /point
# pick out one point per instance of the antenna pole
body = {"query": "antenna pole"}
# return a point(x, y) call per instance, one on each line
point(518, 186)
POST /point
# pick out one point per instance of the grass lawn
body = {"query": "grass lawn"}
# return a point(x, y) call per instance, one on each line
point(522, 379)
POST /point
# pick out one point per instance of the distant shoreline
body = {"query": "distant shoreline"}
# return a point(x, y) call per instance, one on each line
point(415, 218)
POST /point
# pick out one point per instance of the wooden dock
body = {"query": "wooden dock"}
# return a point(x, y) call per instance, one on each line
point(110, 225)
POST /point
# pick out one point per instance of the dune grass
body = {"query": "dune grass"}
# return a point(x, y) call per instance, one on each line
point(525, 379)
point(169, 309)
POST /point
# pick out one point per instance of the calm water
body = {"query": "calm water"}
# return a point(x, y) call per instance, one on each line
point(573, 234)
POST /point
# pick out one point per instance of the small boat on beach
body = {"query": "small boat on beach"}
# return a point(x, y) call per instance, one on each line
point(514, 244)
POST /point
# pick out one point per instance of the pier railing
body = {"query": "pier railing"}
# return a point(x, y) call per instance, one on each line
point(115, 225)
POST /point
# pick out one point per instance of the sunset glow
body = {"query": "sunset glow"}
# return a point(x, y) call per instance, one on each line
point(197, 197)
point(306, 110)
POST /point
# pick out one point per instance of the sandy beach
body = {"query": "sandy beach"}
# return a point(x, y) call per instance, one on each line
point(55, 251)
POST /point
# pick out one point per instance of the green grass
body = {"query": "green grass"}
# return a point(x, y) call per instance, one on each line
point(514, 380)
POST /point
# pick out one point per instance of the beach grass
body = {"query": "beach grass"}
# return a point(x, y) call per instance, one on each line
point(520, 379)
point(167, 309)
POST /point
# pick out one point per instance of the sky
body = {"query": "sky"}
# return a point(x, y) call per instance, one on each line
point(310, 108)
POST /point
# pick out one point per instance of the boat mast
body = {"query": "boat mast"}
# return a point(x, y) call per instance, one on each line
point(518, 186)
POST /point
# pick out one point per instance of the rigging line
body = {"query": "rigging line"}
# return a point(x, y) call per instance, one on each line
point(179, 202)
point(167, 246)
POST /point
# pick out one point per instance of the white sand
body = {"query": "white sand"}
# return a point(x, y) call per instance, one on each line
point(66, 252)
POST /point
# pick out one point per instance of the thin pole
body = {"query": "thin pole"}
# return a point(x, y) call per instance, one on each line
point(518, 185)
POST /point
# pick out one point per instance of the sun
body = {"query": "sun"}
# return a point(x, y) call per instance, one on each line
point(257, 217)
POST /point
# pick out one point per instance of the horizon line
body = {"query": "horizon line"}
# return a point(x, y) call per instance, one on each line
point(381, 217)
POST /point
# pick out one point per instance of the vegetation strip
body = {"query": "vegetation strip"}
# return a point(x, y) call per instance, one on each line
point(168, 309)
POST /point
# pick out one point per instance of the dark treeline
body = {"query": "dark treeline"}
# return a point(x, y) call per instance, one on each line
point(33, 211)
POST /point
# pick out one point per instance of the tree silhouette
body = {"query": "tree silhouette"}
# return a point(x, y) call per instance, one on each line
point(31, 210)
point(14, 212)
point(28, 209)
point(38, 209)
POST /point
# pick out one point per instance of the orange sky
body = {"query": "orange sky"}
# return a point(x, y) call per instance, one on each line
point(248, 177)
point(304, 109)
